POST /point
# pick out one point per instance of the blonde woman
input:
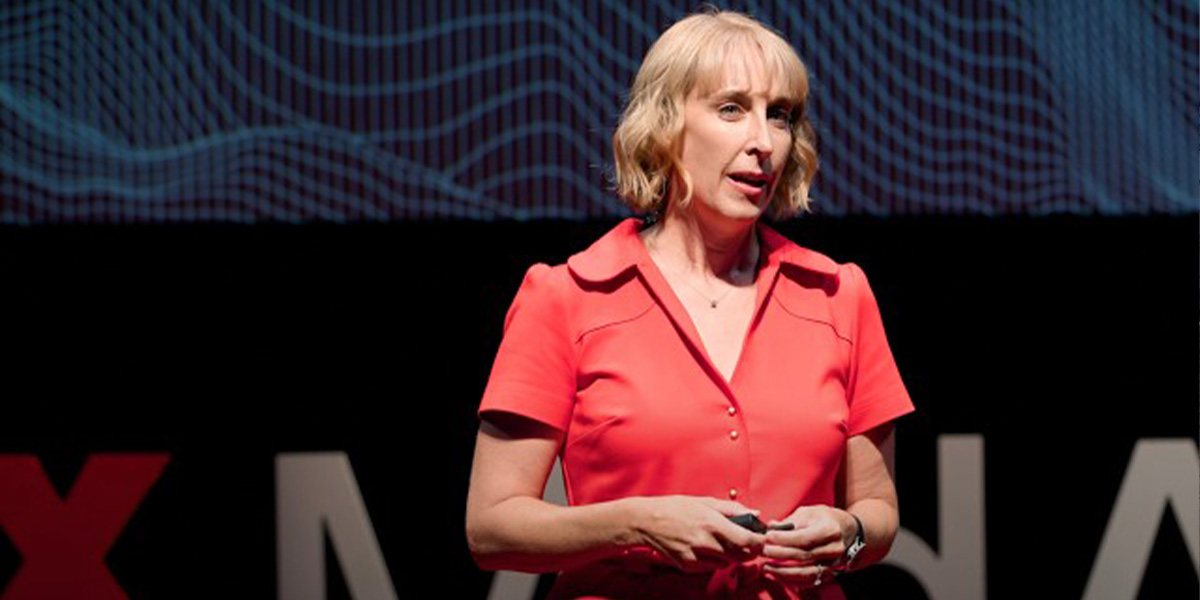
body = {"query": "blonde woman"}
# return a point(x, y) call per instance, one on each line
point(721, 398)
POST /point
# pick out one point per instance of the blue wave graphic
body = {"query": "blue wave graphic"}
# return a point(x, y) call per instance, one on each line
point(220, 111)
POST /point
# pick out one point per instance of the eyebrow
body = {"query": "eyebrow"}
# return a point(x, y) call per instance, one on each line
point(743, 95)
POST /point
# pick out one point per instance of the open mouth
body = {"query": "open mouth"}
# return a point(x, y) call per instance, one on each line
point(757, 181)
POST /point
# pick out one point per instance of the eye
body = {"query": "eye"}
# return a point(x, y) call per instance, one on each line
point(729, 110)
point(781, 115)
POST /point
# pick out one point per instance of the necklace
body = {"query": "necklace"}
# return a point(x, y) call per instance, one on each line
point(712, 302)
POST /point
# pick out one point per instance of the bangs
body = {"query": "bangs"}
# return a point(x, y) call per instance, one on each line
point(788, 79)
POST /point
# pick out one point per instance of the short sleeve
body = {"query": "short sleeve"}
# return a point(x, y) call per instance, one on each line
point(534, 371)
point(876, 392)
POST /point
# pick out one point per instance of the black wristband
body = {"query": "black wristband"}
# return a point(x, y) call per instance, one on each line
point(856, 545)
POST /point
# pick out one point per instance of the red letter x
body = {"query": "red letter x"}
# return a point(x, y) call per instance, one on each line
point(64, 542)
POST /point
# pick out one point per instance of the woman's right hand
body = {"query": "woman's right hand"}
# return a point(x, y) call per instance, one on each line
point(693, 532)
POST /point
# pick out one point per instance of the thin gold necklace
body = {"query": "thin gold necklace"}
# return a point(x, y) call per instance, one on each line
point(712, 302)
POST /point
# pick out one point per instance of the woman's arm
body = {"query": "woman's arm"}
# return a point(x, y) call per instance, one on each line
point(510, 527)
point(871, 492)
point(823, 533)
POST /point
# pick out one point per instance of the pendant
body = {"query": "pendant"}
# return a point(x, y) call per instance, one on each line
point(714, 304)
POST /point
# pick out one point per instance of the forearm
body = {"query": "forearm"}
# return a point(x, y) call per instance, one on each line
point(528, 534)
point(881, 520)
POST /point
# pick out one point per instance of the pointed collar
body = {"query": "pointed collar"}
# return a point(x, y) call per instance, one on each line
point(779, 249)
point(621, 249)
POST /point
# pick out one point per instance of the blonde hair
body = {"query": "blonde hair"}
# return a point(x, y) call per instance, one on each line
point(689, 55)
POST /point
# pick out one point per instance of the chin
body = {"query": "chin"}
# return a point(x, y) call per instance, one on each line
point(743, 214)
point(745, 210)
point(733, 208)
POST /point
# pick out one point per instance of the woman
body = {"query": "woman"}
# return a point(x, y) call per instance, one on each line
point(698, 368)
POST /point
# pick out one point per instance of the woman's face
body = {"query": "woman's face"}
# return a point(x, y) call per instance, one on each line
point(736, 140)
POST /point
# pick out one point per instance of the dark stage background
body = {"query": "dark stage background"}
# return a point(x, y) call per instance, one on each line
point(243, 236)
point(1061, 341)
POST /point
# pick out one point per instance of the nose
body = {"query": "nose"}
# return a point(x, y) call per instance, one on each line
point(760, 137)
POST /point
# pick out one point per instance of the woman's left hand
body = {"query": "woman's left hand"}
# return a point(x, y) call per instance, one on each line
point(804, 556)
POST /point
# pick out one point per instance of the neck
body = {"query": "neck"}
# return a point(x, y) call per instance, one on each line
point(727, 250)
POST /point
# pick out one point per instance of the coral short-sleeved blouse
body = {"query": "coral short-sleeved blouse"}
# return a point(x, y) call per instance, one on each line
point(602, 349)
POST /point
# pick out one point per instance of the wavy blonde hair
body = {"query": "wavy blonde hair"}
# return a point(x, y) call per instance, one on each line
point(691, 55)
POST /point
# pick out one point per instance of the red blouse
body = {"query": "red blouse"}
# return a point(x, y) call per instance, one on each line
point(602, 348)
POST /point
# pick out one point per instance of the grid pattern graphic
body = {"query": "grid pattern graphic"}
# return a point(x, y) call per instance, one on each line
point(357, 110)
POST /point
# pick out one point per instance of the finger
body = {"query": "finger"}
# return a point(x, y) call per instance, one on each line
point(688, 556)
point(801, 556)
point(794, 572)
point(802, 516)
point(667, 554)
point(729, 533)
point(708, 556)
point(807, 576)
point(685, 559)
point(721, 556)
point(730, 508)
point(797, 555)
point(828, 552)
point(711, 545)
point(809, 538)
point(742, 547)
point(808, 516)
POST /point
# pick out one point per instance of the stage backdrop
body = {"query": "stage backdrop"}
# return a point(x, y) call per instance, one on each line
point(255, 259)
point(133, 111)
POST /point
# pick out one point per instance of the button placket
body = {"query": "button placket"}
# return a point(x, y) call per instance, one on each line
point(734, 433)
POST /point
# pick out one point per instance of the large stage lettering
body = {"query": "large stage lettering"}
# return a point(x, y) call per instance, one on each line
point(317, 494)
point(959, 570)
point(1162, 474)
point(63, 541)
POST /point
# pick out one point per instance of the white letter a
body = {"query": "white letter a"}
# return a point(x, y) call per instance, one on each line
point(1161, 473)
